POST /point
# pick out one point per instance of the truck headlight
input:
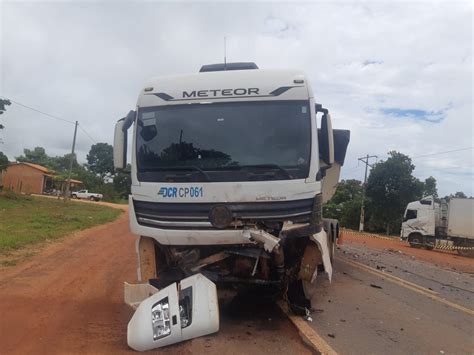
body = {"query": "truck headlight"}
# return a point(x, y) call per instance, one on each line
point(160, 318)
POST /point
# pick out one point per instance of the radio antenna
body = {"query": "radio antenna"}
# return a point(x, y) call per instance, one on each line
point(225, 54)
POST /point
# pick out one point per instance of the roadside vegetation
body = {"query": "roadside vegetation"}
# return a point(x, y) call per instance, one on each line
point(28, 220)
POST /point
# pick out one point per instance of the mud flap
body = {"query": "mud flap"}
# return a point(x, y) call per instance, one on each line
point(321, 240)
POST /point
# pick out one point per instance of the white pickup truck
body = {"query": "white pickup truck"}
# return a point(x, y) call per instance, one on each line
point(86, 195)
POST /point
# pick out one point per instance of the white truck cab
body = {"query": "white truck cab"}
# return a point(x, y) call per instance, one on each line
point(420, 217)
point(229, 173)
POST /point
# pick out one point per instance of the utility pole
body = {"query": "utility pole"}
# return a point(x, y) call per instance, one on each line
point(66, 195)
point(365, 160)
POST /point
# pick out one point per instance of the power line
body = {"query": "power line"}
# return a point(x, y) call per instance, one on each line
point(34, 109)
point(448, 151)
point(87, 134)
point(51, 116)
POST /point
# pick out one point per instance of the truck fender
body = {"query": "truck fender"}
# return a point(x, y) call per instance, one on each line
point(321, 240)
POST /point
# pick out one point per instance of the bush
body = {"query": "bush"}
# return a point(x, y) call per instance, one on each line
point(12, 195)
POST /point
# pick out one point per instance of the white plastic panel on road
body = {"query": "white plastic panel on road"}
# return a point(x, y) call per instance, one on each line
point(204, 319)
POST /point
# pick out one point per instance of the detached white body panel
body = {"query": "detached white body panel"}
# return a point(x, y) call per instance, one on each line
point(143, 331)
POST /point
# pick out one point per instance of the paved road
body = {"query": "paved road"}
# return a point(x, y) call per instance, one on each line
point(369, 312)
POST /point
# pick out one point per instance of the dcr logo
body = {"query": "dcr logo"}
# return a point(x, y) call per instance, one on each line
point(168, 192)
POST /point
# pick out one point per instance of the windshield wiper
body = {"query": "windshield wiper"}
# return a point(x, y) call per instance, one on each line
point(180, 168)
point(270, 166)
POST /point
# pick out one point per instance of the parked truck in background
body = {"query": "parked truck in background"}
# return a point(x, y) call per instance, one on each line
point(427, 223)
point(229, 174)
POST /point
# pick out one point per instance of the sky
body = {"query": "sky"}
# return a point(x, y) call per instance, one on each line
point(398, 74)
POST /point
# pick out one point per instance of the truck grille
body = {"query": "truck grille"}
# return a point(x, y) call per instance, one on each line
point(196, 215)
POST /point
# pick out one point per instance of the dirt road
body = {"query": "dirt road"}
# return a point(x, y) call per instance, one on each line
point(69, 299)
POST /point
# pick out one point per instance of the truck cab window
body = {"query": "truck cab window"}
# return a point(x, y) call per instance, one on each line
point(411, 214)
point(218, 142)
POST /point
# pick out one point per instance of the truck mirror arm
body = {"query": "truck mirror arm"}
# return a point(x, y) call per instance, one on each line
point(128, 120)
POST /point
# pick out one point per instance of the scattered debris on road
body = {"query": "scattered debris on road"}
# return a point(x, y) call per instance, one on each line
point(376, 286)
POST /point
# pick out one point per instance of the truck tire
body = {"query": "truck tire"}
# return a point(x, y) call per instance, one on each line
point(92, 198)
point(74, 196)
point(415, 240)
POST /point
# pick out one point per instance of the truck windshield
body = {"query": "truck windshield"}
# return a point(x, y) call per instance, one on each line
point(241, 141)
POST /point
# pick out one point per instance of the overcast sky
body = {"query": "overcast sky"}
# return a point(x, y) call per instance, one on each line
point(397, 74)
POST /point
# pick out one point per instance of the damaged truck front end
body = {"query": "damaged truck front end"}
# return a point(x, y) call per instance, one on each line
point(273, 256)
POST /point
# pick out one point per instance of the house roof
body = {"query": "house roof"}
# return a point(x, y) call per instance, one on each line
point(45, 170)
point(38, 167)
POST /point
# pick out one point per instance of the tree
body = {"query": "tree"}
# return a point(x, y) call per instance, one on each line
point(3, 103)
point(351, 214)
point(429, 187)
point(3, 161)
point(460, 194)
point(123, 181)
point(345, 204)
point(348, 190)
point(101, 159)
point(390, 187)
point(61, 164)
point(37, 156)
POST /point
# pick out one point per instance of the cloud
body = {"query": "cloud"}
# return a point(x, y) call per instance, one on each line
point(87, 61)
point(371, 62)
point(428, 116)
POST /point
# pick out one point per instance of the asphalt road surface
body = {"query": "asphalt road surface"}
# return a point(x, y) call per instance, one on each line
point(383, 301)
point(69, 299)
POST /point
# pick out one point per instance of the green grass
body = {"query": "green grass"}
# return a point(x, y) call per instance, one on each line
point(26, 221)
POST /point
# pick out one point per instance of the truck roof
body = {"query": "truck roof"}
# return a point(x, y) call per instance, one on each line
point(228, 85)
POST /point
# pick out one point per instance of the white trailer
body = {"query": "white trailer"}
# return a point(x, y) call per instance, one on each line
point(427, 224)
point(229, 173)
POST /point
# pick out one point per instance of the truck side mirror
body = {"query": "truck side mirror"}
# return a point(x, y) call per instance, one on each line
point(120, 145)
point(120, 140)
point(326, 141)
